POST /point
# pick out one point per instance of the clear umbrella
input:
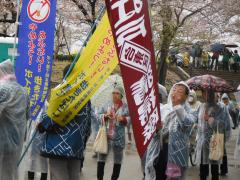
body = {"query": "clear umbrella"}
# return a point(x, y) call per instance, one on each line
point(104, 93)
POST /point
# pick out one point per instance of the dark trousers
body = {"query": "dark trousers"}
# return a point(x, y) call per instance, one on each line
point(100, 171)
point(224, 165)
point(161, 163)
point(31, 176)
point(213, 60)
point(225, 66)
point(235, 67)
point(204, 171)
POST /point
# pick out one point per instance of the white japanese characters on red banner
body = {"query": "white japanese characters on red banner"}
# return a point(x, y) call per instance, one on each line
point(131, 29)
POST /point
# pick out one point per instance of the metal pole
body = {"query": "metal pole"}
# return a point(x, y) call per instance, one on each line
point(85, 42)
point(25, 151)
point(16, 29)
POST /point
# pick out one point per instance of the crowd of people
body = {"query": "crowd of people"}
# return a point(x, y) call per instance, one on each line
point(230, 60)
point(61, 149)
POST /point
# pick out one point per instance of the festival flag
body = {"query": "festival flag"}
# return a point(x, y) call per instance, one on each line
point(35, 48)
point(97, 61)
point(133, 39)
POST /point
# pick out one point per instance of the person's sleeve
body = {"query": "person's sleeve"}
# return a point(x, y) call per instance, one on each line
point(5, 97)
point(185, 118)
point(227, 123)
point(46, 122)
point(101, 113)
point(221, 122)
point(126, 116)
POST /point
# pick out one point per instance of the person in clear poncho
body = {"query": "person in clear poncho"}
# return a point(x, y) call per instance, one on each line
point(152, 161)
point(237, 147)
point(177, 119)
point(115, 114)
point(13, 119)
point(212, 115)
point(192, 100)
point(35, 162)
point(231, 109)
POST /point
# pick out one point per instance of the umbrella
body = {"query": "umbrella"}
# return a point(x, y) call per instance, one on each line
point(231, 45)
point(209, 82)
point(192, 52)
point(201, 43)
point(217, 47)
point(103, 94)
point(173, 51)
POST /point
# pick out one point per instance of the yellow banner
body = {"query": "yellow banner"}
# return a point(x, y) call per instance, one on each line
point(95, 64)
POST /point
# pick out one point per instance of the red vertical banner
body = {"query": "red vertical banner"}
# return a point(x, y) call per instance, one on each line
point(132, 33)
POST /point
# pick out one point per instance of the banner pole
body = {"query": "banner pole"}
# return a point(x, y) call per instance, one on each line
point(102, 10)
point(16, 29)
point(26, 149)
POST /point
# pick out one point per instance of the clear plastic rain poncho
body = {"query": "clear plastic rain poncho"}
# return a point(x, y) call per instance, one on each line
point(153, 150)
point(237, 148)
point(229, 106)
point(36, 162)
point(13, 119)
point(219, 120)
point(178, 122)
point(181, 121)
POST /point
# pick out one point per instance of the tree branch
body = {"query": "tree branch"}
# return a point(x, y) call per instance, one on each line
point(8, 21)
point(83, 10)
point(192, 14)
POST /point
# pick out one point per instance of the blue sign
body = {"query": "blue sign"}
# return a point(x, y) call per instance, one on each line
point(35, 48)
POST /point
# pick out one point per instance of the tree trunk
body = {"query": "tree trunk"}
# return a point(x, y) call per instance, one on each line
point(162, 67)
point(168, 34)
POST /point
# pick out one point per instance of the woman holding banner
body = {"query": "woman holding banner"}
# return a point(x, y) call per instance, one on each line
point(14, 113)
point(115, 115)
point(177, 123)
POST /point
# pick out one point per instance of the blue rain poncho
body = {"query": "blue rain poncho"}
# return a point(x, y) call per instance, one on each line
point(13, 120)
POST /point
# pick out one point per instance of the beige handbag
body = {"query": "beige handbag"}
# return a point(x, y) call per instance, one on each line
point(231, 61)
point(100, 144)
point(216, 146)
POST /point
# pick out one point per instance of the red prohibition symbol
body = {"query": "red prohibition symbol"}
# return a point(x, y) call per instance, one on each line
point(38, 10)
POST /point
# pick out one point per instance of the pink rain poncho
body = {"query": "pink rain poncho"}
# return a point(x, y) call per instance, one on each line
point(13, 119)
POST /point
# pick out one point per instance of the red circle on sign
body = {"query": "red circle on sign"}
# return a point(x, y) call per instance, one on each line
point(38, 10)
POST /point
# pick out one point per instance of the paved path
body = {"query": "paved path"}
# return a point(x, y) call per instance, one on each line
point(131, 169)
